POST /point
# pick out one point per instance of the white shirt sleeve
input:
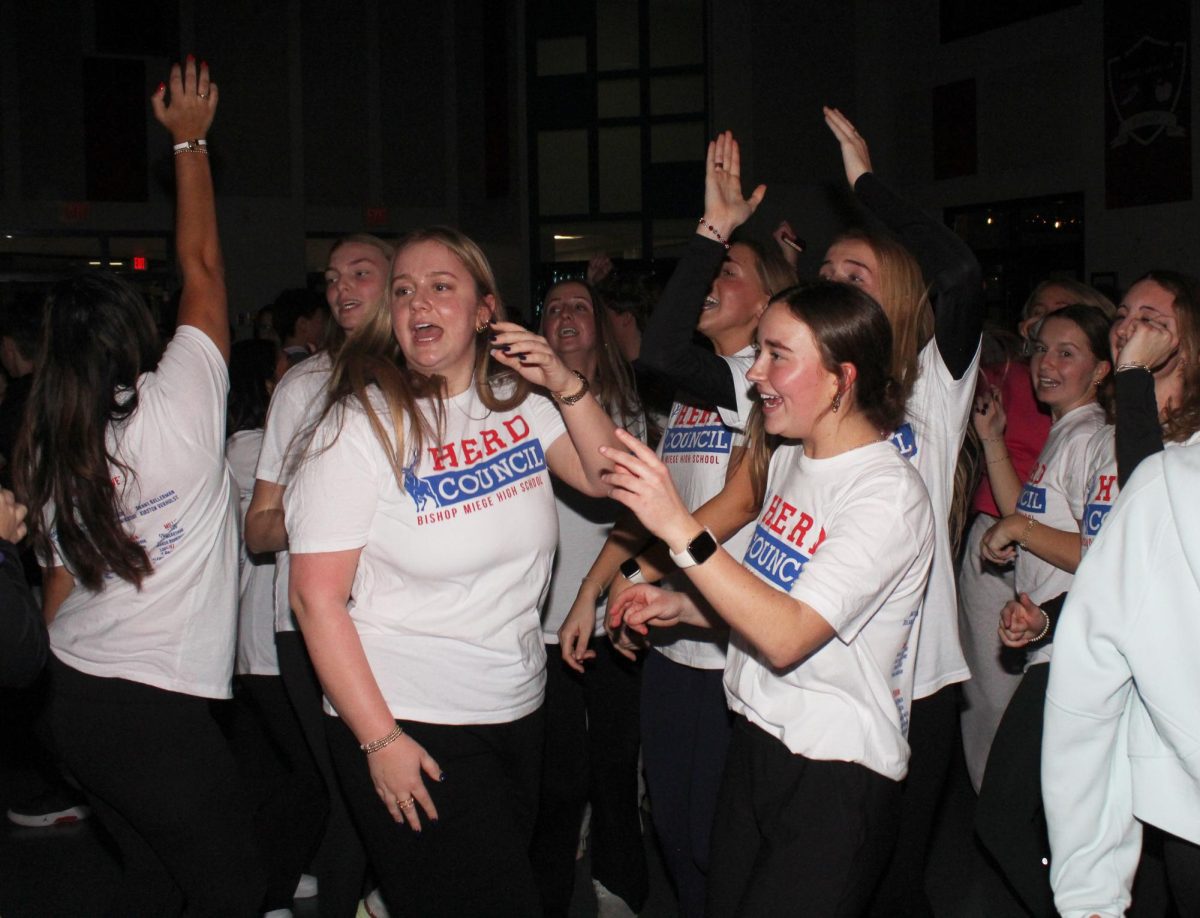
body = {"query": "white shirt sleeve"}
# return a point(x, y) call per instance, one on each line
point(1087, 786)
point(192, 383)
point(331, 502)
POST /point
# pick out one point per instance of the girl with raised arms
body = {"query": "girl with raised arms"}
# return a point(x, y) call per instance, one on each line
point(823, 611)
point(422, 529)
point(122, 464)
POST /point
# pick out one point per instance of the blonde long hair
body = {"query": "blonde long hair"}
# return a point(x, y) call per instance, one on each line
point(371, 358)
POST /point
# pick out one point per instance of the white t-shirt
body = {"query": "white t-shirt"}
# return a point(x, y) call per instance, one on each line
point(696, 447)
point(454, 567)
point(1054, 496)
point(931, 437)
point(177, 632)
point(584, 524)
point(852, 537)
point(295, 404)
point(256, 573)
point(1102, 489)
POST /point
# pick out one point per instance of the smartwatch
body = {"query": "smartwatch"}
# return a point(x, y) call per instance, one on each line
point(632, 571)
point(697, 551)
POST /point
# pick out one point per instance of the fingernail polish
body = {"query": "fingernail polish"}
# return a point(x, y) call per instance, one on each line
point(191, 58)
point(518, 356)
point(441, 776)
point(492, 338)
point(161, 87)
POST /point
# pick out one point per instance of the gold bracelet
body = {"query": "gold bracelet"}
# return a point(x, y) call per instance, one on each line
point(1122, 367)
point(1025, 535)
point(1003, 458)
point(584, 388)
point(376, 745)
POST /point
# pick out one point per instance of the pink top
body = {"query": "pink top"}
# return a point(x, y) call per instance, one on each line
point(1026, 431)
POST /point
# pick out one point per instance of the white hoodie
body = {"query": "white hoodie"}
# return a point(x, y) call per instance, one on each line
point(1121, 741)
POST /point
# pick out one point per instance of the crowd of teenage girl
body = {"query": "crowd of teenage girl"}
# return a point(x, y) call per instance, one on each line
point(477, 584)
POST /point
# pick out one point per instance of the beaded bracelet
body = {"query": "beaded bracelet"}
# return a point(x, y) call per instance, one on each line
point(376, 745)
point(1045, 630)
point(712, 229)
point(191, 146)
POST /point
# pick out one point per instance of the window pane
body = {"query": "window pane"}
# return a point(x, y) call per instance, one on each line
point(676, 95)
point(578, 242)
point(617, 34)
point(676, 32)
point(618, 99)
point(562, 172)
point(620, 169)
point(558, 56)
point(677, 143)
point(671, 237)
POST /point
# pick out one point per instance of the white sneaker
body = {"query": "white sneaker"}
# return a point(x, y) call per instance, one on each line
point(306, 888)
point(609, 904)
point(372, 906)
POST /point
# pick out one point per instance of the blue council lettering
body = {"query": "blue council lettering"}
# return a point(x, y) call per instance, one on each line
point(1093, 518)
point(1033, 499)
point(777, 561)
point(698, 440)
point(456, 486)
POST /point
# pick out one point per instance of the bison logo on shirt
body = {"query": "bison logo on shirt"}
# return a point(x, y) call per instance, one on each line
point(420, 490)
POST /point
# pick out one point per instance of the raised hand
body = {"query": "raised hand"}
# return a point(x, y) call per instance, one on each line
point(989, 417)
point(531, 355)
point(789, 246)
point(1150, 344)
point(855, 156)
point(642, 483)
point(725, 208)
point(193, 101)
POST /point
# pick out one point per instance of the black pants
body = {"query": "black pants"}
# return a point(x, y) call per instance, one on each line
point(590, 754)
point(686, 727)
point(796, 836)
point(291, 803)
point(475, 860)
point(932, 733)
point(163, 783)
point(340, 862)
point(1183, 873)
point(1009, 818)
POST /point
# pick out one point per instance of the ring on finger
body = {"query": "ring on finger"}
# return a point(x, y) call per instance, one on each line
point(406, 804)
point(202, 95)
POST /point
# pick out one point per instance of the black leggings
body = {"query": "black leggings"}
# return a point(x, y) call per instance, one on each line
point(591, 754)
point(475, 860)
point(163, 783)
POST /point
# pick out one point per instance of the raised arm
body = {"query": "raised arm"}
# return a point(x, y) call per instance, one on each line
point(187, 115)
point(948, 264)
point(667, 345)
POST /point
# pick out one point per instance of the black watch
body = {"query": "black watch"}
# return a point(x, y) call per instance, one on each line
point(632, 571)
point(697, 551)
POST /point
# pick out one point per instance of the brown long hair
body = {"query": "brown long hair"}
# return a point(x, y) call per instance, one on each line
point(371, 358)
point(1180, 421)
point(615, 388)
point(98, 338)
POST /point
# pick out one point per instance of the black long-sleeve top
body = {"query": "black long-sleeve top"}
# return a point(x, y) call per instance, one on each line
point(949, 266)
point(667, 345)
point(24, 644)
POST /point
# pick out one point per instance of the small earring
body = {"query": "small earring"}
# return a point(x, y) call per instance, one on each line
point(480, 329)
point(837, 402)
